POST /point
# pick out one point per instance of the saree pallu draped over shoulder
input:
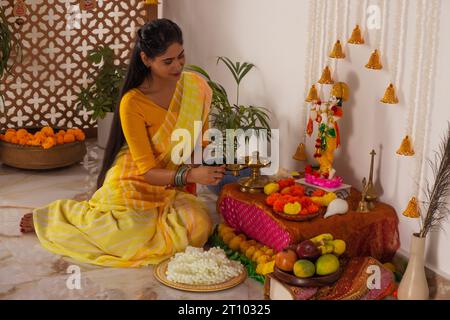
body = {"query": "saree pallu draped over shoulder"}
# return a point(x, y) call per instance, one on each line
point(129, 222)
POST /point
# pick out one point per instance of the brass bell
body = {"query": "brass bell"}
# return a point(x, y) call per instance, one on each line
point(300, 153)
point(312, 95)
point(374, 61)
point(356, 37)
point(406, 148)
point(412, 210)
point(389, 95)
point(337, 52)
point(326, 76)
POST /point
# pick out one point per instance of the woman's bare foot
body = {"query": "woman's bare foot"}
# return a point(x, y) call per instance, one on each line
point(26, 223)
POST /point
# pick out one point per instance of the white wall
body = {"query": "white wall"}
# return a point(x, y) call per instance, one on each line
point(272, 35)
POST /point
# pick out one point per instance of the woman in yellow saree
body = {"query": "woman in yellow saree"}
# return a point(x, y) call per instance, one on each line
point(141, 213)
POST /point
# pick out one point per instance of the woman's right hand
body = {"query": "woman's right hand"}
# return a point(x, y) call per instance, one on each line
point(207, 175)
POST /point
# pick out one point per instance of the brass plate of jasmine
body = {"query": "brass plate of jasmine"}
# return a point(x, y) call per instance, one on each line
point(160, 274)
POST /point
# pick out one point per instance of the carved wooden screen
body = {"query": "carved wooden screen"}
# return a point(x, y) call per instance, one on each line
point(56, 38)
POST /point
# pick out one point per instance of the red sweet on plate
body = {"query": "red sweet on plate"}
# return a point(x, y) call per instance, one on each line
point(312, 209)
point(283, 183)
point(270, 200)
point(318, 193)
point(279, 205)
point(297, 191)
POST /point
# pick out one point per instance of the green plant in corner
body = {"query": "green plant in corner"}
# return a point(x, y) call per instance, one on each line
point(10, 48)
point(102, 95)
point(225, 115)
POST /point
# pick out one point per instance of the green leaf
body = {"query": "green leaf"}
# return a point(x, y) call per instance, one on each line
point(332, 132)
point(247, 67)
point(230, 66)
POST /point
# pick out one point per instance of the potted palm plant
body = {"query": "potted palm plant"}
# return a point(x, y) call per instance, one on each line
point(10, 49)
point(102, 95)
point(226, 115)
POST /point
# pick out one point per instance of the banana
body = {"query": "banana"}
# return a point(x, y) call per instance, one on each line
point(326, 248)
point(321, 239)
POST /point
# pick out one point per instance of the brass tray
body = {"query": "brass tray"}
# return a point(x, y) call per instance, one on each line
point(160, 274)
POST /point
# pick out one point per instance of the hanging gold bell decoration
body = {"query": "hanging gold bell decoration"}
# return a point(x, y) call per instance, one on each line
point(374, 61)
point(356, 37)
point(406, 148)
point(412, 210)
point(340, 90)
point(337, 52)
point(300, 153)
point(326, 76)
point(389, 95)
point(312, 95)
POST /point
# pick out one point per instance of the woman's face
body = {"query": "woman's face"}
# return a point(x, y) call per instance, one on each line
point(169, 65)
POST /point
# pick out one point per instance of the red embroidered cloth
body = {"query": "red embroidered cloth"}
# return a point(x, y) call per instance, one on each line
point(372, 234)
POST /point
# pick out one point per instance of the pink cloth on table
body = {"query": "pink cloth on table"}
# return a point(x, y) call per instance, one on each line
point(251, 220)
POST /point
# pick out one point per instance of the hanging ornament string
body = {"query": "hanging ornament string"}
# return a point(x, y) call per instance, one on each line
point(336, 34)
point(308, 64)
point(344, 36)
point(419, 104)
point(329, 33)
point(363, 20)
point(401, 29)
point(360, 12)
point(433, 17)
point(382, 32)
point(415, 72)
point(323, 37)
point(316, 47)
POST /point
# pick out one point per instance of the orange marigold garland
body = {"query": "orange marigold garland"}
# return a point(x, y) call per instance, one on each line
point(45, 138)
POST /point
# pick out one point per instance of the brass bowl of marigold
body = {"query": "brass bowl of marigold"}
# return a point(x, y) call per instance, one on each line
point(42, 148)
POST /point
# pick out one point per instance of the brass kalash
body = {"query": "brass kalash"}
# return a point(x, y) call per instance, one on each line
point(256, 182)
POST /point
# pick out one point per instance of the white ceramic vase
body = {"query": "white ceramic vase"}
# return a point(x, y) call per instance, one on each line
point(103, 129)
point(414, 284)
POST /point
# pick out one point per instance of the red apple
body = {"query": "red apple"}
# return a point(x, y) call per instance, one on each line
point(285, 260)
point(307, 250)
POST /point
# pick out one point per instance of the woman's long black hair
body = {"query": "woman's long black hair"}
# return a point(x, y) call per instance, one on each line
point(153, 39)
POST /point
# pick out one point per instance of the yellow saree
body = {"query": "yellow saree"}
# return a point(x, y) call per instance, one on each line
point(128, 222)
